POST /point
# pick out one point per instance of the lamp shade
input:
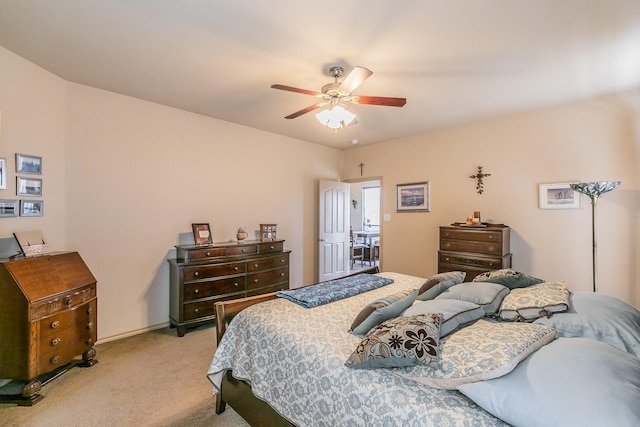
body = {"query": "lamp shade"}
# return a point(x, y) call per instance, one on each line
point(336, 117)
point(595, 189)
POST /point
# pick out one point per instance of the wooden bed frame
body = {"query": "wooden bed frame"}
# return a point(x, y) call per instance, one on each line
point(237, 393)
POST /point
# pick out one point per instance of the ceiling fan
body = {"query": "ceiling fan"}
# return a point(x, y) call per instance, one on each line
point(335, 94)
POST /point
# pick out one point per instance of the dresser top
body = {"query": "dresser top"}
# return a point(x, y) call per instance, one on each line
point(227, 244)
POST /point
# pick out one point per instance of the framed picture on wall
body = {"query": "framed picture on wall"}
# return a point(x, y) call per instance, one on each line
point(3, 173)
point(28, 186)
point(202, 234)
point(31, 207)
point(8, 208)
point(559, 196)
point(28, 164)
point(413, 197)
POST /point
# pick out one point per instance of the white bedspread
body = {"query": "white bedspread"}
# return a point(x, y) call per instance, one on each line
point(294, 359)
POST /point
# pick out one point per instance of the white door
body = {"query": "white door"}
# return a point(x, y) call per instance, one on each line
point(333, 232)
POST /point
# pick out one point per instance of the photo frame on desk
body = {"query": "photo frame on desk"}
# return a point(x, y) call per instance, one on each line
point(413, 197)
point(559, 196)
point(201, 233)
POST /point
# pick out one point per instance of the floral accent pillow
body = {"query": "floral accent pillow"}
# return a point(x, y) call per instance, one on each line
point(508, 277)
point(527, 304)
point(400, 342)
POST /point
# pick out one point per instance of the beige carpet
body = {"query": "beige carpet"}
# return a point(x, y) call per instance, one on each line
point(150, 379)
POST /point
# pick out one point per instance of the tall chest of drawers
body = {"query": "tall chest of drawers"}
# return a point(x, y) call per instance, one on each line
point(48, 316)
point(474, 250)
point(203, 274)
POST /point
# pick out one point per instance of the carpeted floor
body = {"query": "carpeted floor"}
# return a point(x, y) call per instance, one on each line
point(150, 379)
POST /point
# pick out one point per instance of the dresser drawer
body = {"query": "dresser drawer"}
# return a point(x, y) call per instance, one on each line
point(198, 254)
point(197, 290)
point(486, 263)
point(207, 271)
point(242, 250)
point(266, 278)
point(490, 248)
point(62, 302)
point(268, 263)
point(267, 289)
point(270, 247)
point(83, 316)
point(481, 235)
point(197, 310)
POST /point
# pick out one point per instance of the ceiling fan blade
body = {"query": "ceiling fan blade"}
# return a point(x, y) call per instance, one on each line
point(295, 89)
point(382, 100)
point(355, 79)
point(303, 111)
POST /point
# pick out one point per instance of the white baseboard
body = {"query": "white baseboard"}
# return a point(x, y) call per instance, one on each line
point(132, 333)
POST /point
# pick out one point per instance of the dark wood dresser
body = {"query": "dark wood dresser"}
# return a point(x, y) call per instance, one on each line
point(474, 250)
point(48, 315)
point(203, 274)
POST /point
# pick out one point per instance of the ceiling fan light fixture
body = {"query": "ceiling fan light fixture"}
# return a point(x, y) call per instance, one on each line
point(336, 117)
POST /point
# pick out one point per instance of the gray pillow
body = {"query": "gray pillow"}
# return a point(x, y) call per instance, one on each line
point(488, 295)
point(601, 317)
point(455, 314)
point(399, 342)
point(381, 310)
point(569, 382)
point(510, 278)
point(437, 284)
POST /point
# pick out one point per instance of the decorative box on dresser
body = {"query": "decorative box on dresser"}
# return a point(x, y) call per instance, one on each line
point(203, 274)
point(48, 316)
point(474, 250)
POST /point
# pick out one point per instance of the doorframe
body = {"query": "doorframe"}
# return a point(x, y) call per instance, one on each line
point(380, 180)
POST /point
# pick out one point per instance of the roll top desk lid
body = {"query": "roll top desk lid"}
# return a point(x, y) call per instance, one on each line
point(42, 276)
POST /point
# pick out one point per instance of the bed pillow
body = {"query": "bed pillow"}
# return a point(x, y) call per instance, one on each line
point(527, 304)
point(569, 382)
point(512, 279)
point(437, 284)
point(601, 317)
point(488, 295)
point(455, 314)
point(482, 351)
point(399, 342)
point(381, 310)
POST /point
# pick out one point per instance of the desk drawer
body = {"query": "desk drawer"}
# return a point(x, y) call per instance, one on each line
point(83, 315)
point(62, 302)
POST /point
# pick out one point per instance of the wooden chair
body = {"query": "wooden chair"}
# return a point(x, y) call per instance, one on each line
point(356, 250)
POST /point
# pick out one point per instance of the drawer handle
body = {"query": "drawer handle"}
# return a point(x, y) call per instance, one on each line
point(490, 264)
point(89, 341)
point(55, 359)
point(196, 311)
point(55, 341)
point(490, 237)
point(447, 245)
point(272, 247)
point(55, 324)
point(281, 274)
point(90, 325)
point(235, 268)
point(282, 261)
point(208, 253)
point(255, 265)
point(255, 280)
point(235, 284)
point(197, 291)
point(196, 274)
point(244, 250)
point(89, 310)
point(67, 302)
point(446, 259)
point(491, 249)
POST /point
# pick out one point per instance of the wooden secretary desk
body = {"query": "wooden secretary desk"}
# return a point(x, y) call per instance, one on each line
point(48, 315)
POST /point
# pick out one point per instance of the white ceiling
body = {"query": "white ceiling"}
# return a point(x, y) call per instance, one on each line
point(455, 61)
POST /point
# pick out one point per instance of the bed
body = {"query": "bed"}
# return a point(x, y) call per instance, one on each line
point(281, 363)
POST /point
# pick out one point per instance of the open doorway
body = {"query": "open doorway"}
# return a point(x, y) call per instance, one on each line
point(365, 222)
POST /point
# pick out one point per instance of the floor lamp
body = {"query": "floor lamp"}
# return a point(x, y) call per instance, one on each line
point(594, 190)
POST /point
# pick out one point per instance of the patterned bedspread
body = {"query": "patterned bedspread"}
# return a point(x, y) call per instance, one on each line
point(294, 359)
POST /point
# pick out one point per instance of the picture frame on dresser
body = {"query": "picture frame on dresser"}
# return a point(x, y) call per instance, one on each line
point(268, 231)
point(26, 163)
point(202, 233)
point(413, 197)
point(3, 173)
point(559, 196)
point(28, 186)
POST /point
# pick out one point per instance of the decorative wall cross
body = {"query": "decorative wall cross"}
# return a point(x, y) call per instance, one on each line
point(361, 167)
point(479, 176)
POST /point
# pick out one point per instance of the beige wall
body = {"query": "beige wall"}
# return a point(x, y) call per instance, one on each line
point(124, 179)
point(597, 139)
